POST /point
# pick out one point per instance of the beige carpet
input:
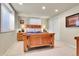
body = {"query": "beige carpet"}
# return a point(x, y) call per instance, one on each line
point(60, 49)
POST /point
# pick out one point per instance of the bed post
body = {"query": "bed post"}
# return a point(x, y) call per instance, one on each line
point(52, 43)
point(25, 42)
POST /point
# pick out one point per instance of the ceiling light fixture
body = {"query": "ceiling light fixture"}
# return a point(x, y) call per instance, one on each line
point(43, 7)
point(56, 10)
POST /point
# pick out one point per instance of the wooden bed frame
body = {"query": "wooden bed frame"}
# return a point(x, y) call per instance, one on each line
point(19, 34)
point(37, 39)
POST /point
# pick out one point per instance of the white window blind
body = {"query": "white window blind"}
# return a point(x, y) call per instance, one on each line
point(7, 19)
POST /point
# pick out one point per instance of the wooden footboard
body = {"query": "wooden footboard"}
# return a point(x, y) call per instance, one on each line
point(25, 42)
point(37, 40)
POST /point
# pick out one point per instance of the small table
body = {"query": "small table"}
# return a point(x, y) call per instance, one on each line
point(77, 45)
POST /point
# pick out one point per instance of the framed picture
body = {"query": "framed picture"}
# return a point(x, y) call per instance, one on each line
point(72, 20)
point(21, 21)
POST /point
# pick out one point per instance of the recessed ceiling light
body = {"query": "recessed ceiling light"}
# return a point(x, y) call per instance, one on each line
point(56, 10)
point(20, 3)
point(43, 7)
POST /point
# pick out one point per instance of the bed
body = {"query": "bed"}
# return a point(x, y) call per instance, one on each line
point(36, 38)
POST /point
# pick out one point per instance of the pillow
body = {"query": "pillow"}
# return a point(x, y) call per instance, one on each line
point(29, 29)
point(37, 30)
point(33, 30)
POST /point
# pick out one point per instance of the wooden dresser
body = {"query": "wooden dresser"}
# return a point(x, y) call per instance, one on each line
point(77, 45)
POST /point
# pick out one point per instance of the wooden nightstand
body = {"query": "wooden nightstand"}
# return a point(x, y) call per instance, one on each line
point(19, 36)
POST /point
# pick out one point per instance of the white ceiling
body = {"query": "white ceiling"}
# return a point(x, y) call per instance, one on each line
point(36, 8)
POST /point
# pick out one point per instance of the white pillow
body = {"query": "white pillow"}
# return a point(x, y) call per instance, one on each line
point(30, 30)
point(33, 30)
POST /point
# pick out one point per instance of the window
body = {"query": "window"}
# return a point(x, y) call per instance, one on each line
point(7, 19)
point(35, 21)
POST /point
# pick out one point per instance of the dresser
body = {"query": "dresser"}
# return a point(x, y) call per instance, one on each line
point(77, 45)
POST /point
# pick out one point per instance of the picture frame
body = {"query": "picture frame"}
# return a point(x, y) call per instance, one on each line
point(72, 20)
point(21, 21)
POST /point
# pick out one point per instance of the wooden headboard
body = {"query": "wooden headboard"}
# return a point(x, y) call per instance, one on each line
point(33, 26)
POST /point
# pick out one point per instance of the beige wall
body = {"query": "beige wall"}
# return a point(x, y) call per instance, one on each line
point(54, 26)
point(26, 20)
point(45, 22)
point(65, 34)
